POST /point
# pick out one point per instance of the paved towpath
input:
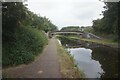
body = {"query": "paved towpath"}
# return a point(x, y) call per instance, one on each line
point(46, 65)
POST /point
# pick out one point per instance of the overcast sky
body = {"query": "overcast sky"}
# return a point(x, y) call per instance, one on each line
point(64, 13)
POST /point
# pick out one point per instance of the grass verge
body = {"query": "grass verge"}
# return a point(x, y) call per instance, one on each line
point(67, 65)
point(104, 42)
point(107, 42)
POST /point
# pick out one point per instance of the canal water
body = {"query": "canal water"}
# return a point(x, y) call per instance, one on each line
point(95, 60)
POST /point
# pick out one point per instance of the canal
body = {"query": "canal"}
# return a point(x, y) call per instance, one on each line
point(95, 60)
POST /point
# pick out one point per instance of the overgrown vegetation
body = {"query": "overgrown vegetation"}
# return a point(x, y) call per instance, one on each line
point(23, 34)
point(108, 26)
point(27, 44)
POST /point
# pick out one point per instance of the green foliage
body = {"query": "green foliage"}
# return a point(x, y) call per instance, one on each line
point(109, 23)
point(13, 13)
point(88, 29)
point(41, 23)
point(16, 14)
point(23, 34)
point(27, 44)
point(48, 26)
point(70, 28)
point(67, 39)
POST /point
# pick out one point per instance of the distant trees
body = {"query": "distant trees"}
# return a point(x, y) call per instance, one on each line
point(109, 23)
point(71, 28)
point(87, 29)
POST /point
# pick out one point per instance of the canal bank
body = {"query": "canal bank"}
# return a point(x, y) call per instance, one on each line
point(108, 43)
point(68, 67)
point(104, 42)
point(95, 60)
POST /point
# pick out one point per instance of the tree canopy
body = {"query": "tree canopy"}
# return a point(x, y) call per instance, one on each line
point(23, 33)
point(109, 23)
point(70, 28)
point(17, 14)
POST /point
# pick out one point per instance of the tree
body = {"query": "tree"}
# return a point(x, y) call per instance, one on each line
point(14, 12)
point(70, 28)
point(109, 23)
point(13, 15)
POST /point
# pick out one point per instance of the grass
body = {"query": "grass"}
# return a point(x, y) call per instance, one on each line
point(108, 42)
point(104, 42)
point(67, 65)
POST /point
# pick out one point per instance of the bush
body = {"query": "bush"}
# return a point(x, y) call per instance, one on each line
point(27, 44)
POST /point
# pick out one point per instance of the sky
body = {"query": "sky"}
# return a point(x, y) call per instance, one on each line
point(64, 13)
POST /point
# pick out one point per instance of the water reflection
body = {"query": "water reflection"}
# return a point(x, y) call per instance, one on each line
point(108, 57)
point(83, 58)
point(96, 60)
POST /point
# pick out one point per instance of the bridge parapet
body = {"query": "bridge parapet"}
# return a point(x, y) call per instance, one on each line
point(79, 33)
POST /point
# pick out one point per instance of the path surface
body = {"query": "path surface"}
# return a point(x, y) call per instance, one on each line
point(45, 66)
